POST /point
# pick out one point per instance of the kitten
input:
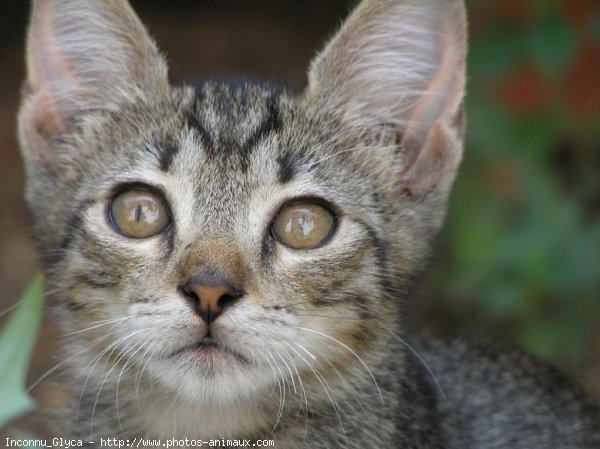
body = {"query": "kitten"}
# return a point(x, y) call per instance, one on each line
point(231, 261)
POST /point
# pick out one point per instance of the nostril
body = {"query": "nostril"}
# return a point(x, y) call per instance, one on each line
point(189, 294)
point(228, 299)
point(209, 301)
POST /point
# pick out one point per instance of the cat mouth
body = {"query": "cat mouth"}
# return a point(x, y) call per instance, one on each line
point(209, 348)
point(207, 341)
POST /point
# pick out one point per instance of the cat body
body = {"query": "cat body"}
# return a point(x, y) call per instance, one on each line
point(230, 261)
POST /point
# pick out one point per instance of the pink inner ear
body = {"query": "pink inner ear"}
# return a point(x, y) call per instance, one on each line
point(51, 77)
point(438, 158)
point(46, 120)
point(402, 63)
point(47, 64)
point(442, 97)
point(39, 122)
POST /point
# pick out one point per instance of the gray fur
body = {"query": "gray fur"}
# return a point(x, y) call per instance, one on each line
point(314, 354)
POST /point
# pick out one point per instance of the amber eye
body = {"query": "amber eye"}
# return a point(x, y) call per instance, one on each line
point(303, 225)
point(139, 213)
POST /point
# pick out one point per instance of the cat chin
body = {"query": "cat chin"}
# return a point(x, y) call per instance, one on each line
point(214, 377)
point(210, 421)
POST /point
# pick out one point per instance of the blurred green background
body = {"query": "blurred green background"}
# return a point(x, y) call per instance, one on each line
point(521, 251)
point(519, 258)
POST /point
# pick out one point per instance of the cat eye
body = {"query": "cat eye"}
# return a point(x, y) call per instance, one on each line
point(303, 225)
point(139, 213)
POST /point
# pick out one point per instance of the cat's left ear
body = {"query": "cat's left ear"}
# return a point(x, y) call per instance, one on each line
point(83, 57)
point(399, 65)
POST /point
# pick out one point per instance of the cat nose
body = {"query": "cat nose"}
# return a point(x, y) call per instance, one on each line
point(209, 300)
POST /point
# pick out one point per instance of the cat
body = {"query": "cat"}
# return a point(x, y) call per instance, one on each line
point(230, 261)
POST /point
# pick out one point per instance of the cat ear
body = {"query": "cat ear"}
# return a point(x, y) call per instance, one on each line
point(400, 64)
point(84, 56)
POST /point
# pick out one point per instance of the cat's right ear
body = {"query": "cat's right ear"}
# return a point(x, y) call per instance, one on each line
point(399, 66)
point(83, 57)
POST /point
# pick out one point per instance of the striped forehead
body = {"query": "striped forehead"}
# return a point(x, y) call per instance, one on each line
point(222, 125)
point(224, 146)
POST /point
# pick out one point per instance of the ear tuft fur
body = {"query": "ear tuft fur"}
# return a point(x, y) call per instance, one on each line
point(401, 63)
point(83, 56)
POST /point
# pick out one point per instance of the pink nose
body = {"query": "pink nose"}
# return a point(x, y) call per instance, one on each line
point(209, 301)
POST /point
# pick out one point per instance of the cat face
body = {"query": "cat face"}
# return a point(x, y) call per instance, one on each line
point(220, 241)
point(222, 191)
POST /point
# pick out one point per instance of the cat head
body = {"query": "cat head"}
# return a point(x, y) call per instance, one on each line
point(230, 237)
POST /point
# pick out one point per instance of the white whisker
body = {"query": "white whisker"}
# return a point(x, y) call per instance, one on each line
point(345, 346)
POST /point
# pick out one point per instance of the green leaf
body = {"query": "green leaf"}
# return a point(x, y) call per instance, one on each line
point(16, 345)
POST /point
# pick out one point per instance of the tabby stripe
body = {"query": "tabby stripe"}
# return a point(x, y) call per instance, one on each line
point(382, 256)
point(286, 167)
point(193, 122)
point(272, 123)
point(96, 282)
point(378, 242)
point(168, 152)
point(74, 223)
point(74, 306)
